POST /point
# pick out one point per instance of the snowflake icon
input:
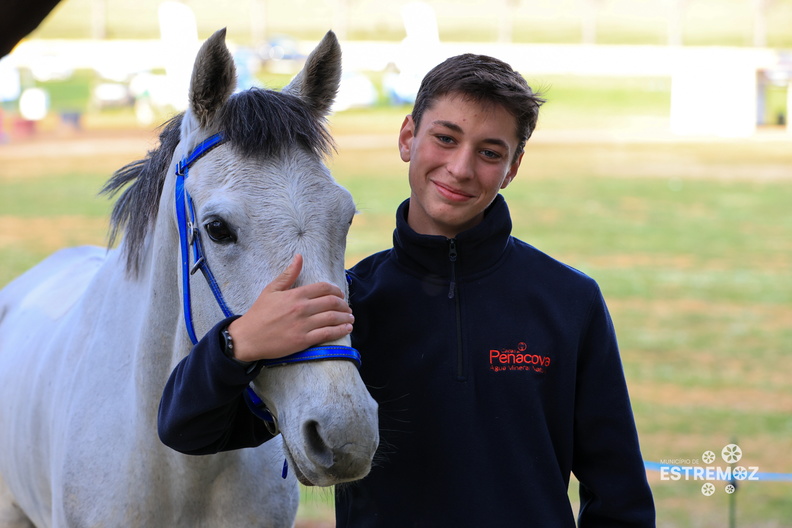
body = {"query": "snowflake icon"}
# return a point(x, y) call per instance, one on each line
point(707, 489)
point(730, 489)
point(708, 457)
point(731, 453)
point(740, 473)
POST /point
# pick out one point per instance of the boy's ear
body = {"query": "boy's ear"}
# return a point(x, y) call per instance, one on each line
point(512, 171)
point(406, 136)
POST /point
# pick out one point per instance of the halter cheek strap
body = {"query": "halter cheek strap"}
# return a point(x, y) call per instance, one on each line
point(190, 236)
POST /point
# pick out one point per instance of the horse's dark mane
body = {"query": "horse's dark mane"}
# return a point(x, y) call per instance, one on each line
point(255, 122)
point(136, 208)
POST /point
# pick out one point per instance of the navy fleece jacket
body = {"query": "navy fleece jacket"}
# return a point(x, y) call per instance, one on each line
point(497, 373)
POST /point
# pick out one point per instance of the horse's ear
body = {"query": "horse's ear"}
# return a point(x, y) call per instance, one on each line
point(317, 83)
point(213, 78)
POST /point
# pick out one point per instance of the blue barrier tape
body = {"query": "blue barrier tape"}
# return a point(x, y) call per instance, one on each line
point(778, 477)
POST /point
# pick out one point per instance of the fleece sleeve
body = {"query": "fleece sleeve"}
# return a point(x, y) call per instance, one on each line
point(202, 410)
point(614, 491)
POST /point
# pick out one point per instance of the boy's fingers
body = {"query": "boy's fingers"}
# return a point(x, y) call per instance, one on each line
point(329, 333)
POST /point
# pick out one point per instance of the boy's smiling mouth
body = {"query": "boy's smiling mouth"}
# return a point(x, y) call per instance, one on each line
point(451, 193)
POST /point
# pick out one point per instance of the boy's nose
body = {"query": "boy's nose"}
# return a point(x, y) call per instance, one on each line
point(460, 163)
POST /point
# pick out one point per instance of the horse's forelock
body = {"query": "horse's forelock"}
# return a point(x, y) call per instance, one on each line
point(265, 123)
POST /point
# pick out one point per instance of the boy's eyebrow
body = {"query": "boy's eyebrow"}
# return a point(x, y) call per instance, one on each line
point(448, 124)
point(458, 129)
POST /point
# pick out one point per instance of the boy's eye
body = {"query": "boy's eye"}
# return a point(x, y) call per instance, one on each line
point(444, 139)
point(491, 154)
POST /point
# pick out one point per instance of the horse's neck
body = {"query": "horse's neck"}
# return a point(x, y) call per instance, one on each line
point(153, 320)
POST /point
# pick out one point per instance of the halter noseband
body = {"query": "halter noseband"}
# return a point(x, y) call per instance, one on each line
point(189, 235)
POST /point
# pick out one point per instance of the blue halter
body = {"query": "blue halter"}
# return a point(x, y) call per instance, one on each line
point(189, 235)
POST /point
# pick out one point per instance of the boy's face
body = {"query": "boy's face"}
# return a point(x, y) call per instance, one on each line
point(460, 157)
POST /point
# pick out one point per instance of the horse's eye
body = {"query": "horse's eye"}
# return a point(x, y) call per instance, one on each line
point(219, 232)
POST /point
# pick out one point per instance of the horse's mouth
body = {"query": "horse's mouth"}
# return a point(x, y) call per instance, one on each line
point(292, 465)
point(301, 477)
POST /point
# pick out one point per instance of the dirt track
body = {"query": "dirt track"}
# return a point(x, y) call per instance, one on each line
point(767, 156)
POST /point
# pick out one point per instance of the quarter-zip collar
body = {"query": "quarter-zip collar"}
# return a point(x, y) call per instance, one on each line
point(478, 248)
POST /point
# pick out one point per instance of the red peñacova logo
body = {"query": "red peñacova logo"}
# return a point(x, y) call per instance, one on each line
point(519, 359)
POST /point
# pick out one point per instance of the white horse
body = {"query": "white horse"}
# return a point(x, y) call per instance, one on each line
point(89, 337)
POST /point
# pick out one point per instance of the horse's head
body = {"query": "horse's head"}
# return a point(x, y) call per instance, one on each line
point(261, 195)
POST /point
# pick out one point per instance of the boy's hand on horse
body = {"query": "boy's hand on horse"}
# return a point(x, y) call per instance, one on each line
point(285, 320)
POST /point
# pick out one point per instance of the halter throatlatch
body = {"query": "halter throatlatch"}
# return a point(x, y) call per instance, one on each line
point(189, 236)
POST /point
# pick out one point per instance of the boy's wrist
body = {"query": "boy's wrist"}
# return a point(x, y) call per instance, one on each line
point(228, 346)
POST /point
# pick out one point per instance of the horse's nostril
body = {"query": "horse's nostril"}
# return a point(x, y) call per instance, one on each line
point(317, 448)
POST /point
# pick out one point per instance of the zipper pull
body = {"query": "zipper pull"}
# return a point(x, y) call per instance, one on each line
point(452, 256)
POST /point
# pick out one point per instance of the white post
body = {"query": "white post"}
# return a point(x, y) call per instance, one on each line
point(179, 33)
point(789, 108)
point(707, 80)
point(258, 21)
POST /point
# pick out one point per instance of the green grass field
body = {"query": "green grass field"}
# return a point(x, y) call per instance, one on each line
point(691, 242)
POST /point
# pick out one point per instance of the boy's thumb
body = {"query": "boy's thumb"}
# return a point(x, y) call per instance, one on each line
point(286, 280)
